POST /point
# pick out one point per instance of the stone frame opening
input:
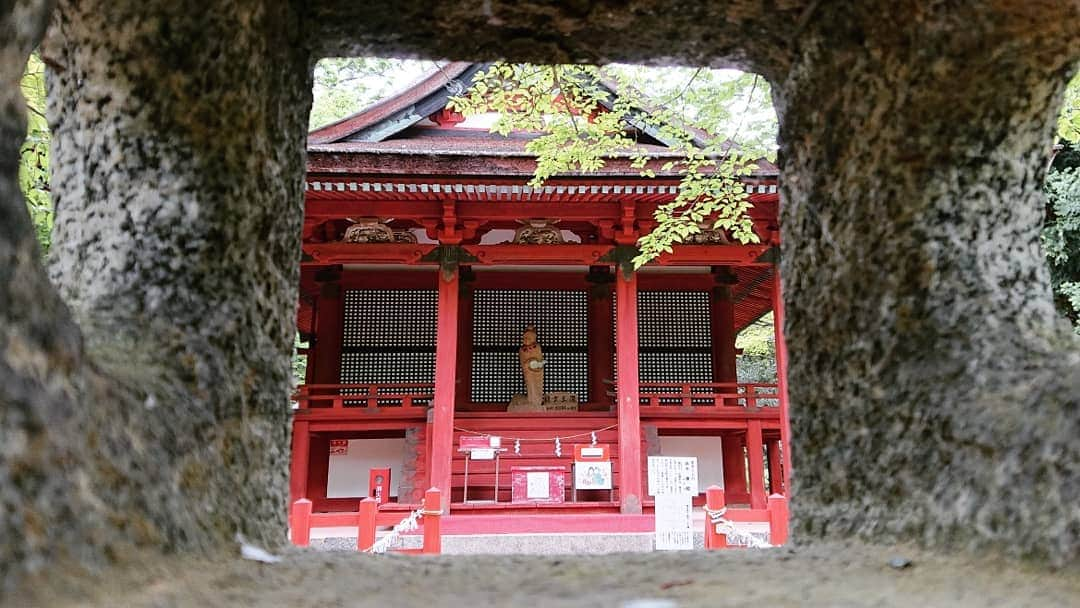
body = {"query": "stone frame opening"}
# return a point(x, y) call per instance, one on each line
point(144, 381)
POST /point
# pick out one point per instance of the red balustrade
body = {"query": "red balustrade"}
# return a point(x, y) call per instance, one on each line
point(366, 520)
point(403, 395)
point(775, 514)
point(709, 394)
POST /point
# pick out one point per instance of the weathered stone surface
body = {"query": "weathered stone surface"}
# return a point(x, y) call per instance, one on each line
point(933, 396)
point(750, 34)
point(179, 159)
point(178, 164)
point(40, 348)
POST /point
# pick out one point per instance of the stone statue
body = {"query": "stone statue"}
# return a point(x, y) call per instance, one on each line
point(532, 361)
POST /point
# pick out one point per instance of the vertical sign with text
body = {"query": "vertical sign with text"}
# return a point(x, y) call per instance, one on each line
point(673, 483)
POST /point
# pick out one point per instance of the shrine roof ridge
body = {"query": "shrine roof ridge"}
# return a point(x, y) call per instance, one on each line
point(394, 128)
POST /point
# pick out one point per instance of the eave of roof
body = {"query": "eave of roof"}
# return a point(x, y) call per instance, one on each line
point(386, 109)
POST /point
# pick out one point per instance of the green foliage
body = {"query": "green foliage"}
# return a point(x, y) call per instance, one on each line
point(346, 85)
point(722, 103)
point(34, 153)
point(757, 363)
point(581, 123)
point(299, 360)
point(1061, 233)
point(1069, 119)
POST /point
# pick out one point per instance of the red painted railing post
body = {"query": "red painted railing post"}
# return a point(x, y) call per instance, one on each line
point(365, 535)
point(778, 520)
point(432, 516)
point(300, 524)
point(714, 501)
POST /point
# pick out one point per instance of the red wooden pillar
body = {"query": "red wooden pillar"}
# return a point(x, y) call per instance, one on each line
point(734, 460)
point(442, 420)
point(781, 376)
point(722, 326)
point(365, 533)
point(776, 470)
point(629, 405)
point(432, 522)
point(465, 337)
point(778, 520)
point(300, 523)
point(600, 328)
point(330, 319)
point(298, 465)
point(318, 468)
point(754, 457)
point(715, 502)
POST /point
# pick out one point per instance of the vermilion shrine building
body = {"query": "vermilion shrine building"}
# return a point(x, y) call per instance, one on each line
point(425, 256)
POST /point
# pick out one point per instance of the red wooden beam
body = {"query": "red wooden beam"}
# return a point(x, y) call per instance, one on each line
point(322, 254)
point(367, 253)
point(538, 254)
point(712, 255)
point(387, 278)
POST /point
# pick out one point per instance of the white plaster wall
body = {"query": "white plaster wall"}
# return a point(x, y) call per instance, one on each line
point(348, 476)
point(708, 452)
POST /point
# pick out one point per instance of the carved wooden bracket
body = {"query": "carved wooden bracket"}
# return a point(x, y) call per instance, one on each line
point(449, 257)
point(538, 232)
point(623, 257)
point(374, 230)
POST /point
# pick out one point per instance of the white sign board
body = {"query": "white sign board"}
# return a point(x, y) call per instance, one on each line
point(673, 482)
point(592, 475)
point(674, 522)
point(483, 454)
point(671, 475)
point(538, 485)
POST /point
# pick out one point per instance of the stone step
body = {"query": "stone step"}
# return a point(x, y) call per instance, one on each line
point(533, 544)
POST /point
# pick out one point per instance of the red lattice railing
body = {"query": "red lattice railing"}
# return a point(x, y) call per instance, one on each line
point(709, 394)
point(345, 396)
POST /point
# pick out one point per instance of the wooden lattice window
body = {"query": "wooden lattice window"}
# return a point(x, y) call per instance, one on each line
point(674, 336)
point(389, 336)
point(500, 318)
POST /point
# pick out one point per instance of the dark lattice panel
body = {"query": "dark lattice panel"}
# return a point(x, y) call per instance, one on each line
point(674, 320)
point(389, 337)
point(390, 318)
point(674, 336)
point(500, 318)
point(387, 367)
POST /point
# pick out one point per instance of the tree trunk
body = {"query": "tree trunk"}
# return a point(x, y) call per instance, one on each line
point(934, 391)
